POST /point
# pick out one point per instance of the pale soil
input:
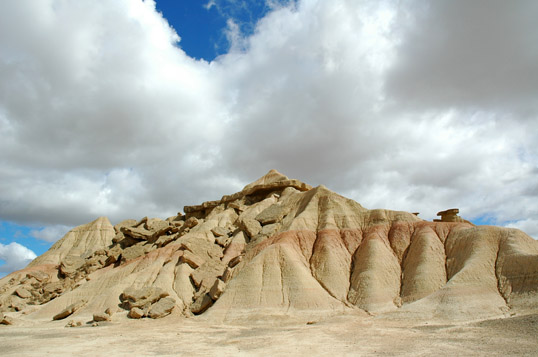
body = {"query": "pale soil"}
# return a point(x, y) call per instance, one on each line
point(336, 336)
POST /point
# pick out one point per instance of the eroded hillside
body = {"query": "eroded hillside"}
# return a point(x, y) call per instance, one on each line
point(279, 247)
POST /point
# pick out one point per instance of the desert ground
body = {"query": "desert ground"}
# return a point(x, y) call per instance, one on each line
point(344, 335)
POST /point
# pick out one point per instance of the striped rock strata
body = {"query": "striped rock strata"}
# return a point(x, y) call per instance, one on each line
point(281, 248)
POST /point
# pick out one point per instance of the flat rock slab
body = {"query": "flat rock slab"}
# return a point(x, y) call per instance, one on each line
point(23, 293)
point(69, 310)
point(137, 233)
point(193, 260)
point(272, 214)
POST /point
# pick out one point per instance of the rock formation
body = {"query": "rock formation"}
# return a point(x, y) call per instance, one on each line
point(279, 247)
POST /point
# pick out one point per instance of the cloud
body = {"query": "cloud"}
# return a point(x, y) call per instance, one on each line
point(210, 4)
point(398, 105)
point(50, 233)
point(15, 257)
point(529, 226)
point(94, 93)
point(479, 54)
point(314, 93)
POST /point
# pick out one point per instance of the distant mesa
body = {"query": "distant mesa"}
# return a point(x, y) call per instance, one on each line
point(279, 247)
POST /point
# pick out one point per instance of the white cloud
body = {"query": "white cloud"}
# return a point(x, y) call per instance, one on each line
point(15, 257)
point(210, 4)
point(529, 226)
point(50, 233)
point(397, 105)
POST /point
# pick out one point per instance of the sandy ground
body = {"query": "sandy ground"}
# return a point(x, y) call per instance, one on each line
point(335, 336)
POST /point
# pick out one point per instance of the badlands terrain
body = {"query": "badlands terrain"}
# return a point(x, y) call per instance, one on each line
point(281, 268)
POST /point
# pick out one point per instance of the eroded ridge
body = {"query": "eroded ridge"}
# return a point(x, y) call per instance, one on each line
point(279, 247)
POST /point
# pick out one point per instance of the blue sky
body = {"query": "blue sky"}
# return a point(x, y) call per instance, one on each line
point(396, 104)
point(202, 25)
point(201, 28)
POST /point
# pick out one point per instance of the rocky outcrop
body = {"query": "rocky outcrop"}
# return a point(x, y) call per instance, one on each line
point(271, 182)
point(148, 301)
point(450, 215)
point(281, 247)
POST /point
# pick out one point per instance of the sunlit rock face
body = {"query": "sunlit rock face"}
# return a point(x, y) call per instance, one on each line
point(280, 248)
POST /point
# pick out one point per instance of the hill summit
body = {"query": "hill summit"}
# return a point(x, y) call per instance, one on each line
point(279, 248)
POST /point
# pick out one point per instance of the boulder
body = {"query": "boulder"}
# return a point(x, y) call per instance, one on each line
point(118, 237)
point(191, 222)
point(207, 274)
point(101, 316)
point(113, 255)
point(167, 230)
point(156, 225)
point(165, 239)
point(142, 298)
point(69, 310)
point(51, 290)
point(217, 289)
point(250, 226)
point(162, 308)
point(235, 261)
point(133, 252)
point(223, 241)
point(5, 320)
point(193, 260)
point(178, 223)
point(272, 214)
point(237, 205)
point(136, 313)
point(38, 275)
point(23, 293)
point(125, 223)
point(201, 304)
point(73, 323)
point(219, 231)
point(137, 233)
point(270, 229)
point(236, 247)
point(16, 303)
point(227, 274)
point(71, 264)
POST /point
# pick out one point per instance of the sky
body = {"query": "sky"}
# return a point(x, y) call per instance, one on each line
point(134, 108)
